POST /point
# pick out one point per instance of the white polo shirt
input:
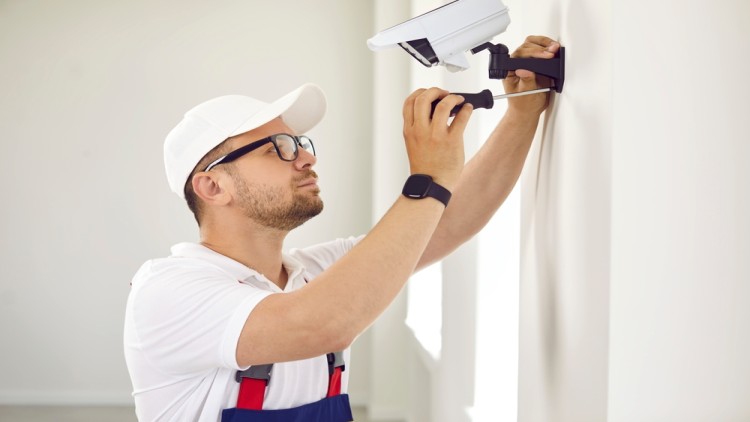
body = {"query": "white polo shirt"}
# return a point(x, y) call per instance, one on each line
point(183, 320)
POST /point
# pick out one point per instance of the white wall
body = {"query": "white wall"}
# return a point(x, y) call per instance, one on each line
point(565, 223)
point(89, 90)
point(389, 359)
point(680, 277)
point(635, 294)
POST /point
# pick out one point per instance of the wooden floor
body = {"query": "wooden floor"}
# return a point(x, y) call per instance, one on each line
point(85, 414)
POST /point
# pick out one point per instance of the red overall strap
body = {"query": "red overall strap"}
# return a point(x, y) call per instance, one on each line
point(251, 394)
point(334, 383)
point(335, 368)
point(254, 380)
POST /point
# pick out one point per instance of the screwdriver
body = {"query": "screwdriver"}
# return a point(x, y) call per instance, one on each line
point(485, 99)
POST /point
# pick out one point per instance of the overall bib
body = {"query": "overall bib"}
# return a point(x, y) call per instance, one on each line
point(253, 382)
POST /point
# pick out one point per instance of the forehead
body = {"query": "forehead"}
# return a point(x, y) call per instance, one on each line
point(273, 127)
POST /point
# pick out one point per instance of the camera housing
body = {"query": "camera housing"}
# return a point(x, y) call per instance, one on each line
point(441, 36)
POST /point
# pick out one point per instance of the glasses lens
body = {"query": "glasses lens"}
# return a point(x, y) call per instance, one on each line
point(306, 144)
point(287, 147)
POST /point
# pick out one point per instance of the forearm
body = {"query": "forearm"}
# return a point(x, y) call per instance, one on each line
point(485, 183)
point(346, 298)
point(370, 276)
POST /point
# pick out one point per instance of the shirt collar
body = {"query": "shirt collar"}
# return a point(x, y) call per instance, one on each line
point(241, 272)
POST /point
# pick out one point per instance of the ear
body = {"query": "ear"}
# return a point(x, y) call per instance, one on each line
point(209, 187)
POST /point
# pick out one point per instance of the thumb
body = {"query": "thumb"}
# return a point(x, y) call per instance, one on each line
point(525, 75)
point(527, 79)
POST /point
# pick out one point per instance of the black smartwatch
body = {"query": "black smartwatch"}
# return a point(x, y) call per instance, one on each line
point(420, 186)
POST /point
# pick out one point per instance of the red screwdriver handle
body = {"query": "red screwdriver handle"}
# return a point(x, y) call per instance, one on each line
point(479, 100)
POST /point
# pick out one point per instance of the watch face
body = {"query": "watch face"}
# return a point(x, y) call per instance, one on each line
point(417, 186)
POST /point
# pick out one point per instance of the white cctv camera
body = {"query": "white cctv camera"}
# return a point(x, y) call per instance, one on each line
point(442, 36)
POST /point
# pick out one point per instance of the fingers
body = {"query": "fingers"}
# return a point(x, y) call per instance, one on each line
point(423, 104)
point(526, 80)
point(419, 102)
point(408, 111)
point(420, 120)
point(418, 107)
point(443, 109)
point(462, 118)
point(537, 46)
point(525, 75)
point(542, 40)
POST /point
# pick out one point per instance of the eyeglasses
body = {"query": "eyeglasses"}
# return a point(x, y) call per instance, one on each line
point(285, 144)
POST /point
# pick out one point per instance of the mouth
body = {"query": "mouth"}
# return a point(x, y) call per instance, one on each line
point(308, 183)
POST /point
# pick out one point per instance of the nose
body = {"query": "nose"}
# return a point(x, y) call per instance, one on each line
point(305, 159)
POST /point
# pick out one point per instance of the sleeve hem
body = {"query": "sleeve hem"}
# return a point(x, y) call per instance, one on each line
point(234, 329)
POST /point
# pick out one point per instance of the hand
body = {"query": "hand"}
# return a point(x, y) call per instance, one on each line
point(523, 80)
point(435, 147)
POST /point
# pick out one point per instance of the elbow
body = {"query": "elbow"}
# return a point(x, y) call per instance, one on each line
point(325, 332)
point(342, 343)
point(339, 335)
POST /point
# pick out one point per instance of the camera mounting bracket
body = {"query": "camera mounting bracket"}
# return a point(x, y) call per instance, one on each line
point(501, 63)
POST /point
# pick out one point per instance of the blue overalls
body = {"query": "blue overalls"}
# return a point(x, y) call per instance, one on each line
point(253, 382)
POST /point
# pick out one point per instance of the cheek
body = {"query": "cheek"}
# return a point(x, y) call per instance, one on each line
point(275, 176)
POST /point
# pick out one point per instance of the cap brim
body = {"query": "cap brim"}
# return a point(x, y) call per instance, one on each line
point(301, 110)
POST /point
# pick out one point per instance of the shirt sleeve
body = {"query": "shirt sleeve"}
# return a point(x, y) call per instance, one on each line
point(188, 318)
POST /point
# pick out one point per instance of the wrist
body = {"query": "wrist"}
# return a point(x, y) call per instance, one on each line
point(522, 116)
point(421, 186)
point(446, 179)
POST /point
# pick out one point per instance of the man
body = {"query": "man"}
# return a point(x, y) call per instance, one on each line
point(197, 320)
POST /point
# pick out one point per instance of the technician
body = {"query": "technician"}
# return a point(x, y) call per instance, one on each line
point(232, 328)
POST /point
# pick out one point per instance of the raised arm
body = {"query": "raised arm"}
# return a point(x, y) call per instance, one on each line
point(327, 314)
point(490, 175)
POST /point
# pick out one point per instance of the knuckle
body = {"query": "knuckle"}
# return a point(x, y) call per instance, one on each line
point(421, 100)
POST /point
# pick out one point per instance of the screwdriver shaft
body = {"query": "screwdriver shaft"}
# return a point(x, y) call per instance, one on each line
point(519, 94)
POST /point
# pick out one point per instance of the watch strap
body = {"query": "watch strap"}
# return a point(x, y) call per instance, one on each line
point(440, 193)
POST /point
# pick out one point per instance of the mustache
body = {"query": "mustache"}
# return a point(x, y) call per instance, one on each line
point(308, 174)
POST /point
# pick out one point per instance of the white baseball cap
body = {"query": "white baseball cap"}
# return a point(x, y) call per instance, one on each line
point(210, 123)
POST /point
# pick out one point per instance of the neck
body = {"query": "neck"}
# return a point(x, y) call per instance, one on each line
point(258, 248)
